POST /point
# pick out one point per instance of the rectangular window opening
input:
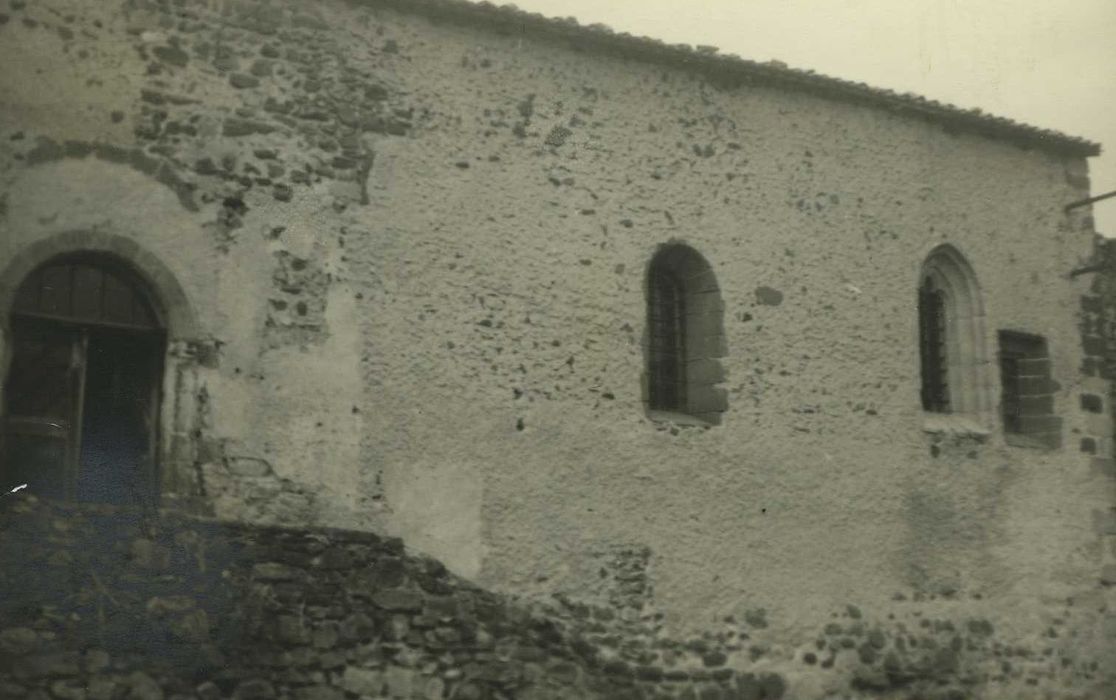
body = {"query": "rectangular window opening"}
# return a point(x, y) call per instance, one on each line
point(1027, 401)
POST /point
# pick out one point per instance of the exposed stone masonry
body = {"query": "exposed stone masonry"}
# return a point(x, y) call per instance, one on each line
point(100, 603)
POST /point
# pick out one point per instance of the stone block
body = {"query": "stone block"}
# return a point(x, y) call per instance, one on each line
point(748, 687)
point(96, 660)
point(325, 637)
point(161, 606)
point(1092, 345)
point(700, 324)
point(1033, 424)
point(710, 692)
point(208, 691)
point(706, 346)
point(68, 690)
point(146, 554)
point(16, 641)
point(398, 599)
point(1050, 439)
point(1092, 403)
point(252, 689)
point(290, 628)
point(102, 688)
point(768, 296)
point(707, 399)
point(357, 626)
point(363, 681)
point(243, 80)
point(320, 692)
point(248, 466)
point(273, 571)
point(705, 371)
point(143, 687)
point(400, 681)
point(1036, 385)
point(193, 626)
point(433, 689)
point(57, 664)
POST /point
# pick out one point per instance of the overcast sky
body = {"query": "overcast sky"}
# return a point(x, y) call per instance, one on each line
point(1046, 63)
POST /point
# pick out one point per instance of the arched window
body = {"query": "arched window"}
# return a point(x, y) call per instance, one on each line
point(82, 393)
point(685, 336)
point(953, 359)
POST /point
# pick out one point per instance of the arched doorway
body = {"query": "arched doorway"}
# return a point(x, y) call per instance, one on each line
point(82, 392)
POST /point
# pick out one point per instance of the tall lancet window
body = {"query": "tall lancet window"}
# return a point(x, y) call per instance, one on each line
point(932, 347)
point(955, 377)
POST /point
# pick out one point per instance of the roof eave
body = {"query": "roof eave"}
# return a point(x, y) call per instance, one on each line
point(743, 71)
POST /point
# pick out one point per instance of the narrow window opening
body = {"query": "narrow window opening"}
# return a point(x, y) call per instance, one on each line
point(668, 343)
point(932, 327)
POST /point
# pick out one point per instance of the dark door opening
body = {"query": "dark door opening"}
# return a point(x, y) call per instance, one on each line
point(118, 417)
point(82, 396)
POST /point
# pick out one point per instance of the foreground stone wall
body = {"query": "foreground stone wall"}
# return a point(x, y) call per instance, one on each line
point(104, 604)
point(100, 604)
point(410, 247)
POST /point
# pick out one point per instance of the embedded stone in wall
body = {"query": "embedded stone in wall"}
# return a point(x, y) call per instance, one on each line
point(769, 296)
point(296, 308)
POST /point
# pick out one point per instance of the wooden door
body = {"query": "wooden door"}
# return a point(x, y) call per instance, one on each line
point(42, 416)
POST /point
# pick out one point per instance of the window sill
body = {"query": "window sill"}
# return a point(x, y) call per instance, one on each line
point(681, 420)
point(1026, 441)
point(955, 425)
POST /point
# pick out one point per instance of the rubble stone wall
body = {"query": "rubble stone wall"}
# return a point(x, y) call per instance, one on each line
point(98, 603)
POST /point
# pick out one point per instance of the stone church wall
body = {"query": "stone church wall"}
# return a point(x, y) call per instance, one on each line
point(402, 256)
